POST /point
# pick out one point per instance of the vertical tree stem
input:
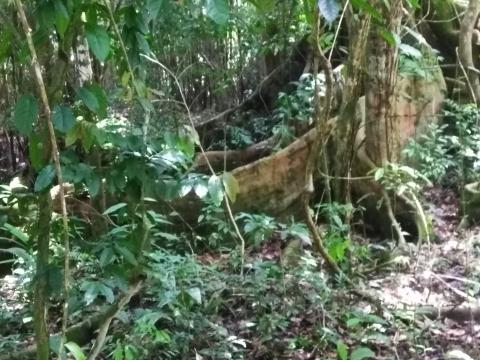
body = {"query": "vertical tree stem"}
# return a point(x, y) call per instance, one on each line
point(42, 336)
point(320, 119)
point(465, 55)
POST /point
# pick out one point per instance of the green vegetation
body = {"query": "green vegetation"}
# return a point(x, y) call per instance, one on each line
point(244, 179)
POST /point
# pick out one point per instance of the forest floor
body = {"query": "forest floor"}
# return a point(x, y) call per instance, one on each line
point(444, 274)
point(301, 314)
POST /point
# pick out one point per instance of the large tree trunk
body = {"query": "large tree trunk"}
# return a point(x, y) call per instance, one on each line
point(382, 135)
point(465, 51)
point(349, 124)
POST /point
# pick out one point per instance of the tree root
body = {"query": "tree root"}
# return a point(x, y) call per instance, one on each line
point(103, 330)
point(454, 313)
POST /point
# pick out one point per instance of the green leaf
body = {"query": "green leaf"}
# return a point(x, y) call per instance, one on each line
point(93, 183)
point(98, 40)
point(362, 353)
point(45, 14)
point(73, 134)
point(215, 189)
point(201, 190)
point(94, 98)
point(364, 5)
point(118, 352)
point(54, 344)
point(389, 37)
point(410, 51)
point(75, 350)
point(63, 119)
point(19, 253)
point(6, 48)
point(44, 178)
point(379, 174)
point(231, 186)
point(16, 232)
point(218, 11)
point(195, 294)
point(36, 152)
point(342, 350)
point(62, 18)
point(352, 322)
point(329, 9)
point(114, 208)
point(153, 7)
point(26, 113)
point(127, 254)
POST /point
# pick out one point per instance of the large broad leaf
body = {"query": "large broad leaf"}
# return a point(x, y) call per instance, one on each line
point(218, 11)
point(153, 7)
point(362, 353)
point(263, 6)
point(215, 189)
point(63, 118)
point(94, 98)
point(44, 178)
point(75, 350)
point(62, 18)
point(26, 113)
point(98, 40)
point(94, 289)
point(364, 5)
point(329, 9)
point(36, 149)
point(342, 350)
point(231, 186)
point(114, 208)
point(6, 48)
point(15, 231)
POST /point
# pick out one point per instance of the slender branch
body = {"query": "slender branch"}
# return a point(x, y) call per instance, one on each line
point(321, 117)
point(202, 150)
point(56, 159)
point(103, 330)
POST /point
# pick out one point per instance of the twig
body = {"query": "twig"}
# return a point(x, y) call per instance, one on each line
point(103, 330)
point(202, 150)
point(391, 215)
point(321, 117)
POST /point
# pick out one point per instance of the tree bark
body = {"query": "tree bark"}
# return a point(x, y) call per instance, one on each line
point(349, 124)
point(382, 135)
point(465, 53)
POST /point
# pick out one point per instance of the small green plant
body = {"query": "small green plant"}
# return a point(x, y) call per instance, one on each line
point(449, 153)
point(337, 234)
point(432, 153)
point(257, 227)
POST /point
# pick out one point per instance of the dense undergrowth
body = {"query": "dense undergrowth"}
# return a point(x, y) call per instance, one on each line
point(198, 301)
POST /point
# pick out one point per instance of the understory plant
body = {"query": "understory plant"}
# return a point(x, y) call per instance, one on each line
point(449, 152)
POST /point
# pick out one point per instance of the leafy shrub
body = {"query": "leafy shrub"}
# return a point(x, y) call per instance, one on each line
point(450, 152)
